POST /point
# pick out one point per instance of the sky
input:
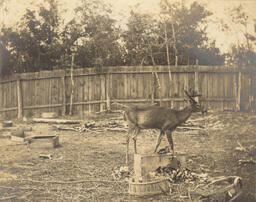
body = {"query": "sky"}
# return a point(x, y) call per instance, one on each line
point(121, 10)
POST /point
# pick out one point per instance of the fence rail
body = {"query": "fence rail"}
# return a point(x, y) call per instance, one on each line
point(222, 88)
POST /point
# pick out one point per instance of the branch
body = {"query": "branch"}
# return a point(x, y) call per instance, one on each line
point(73, 182)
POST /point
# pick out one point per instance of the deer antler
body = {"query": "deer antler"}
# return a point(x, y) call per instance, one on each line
point(191, 96)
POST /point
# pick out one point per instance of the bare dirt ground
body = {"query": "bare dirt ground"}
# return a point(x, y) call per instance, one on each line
point(81, 168)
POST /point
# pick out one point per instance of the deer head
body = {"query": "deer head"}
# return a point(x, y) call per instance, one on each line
point(196, 107)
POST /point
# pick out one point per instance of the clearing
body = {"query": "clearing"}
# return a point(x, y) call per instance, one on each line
point(81, 168)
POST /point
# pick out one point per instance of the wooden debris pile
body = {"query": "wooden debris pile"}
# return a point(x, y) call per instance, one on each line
point(93, 126)
point(249, 154)
point(121, 173)
point(175, 175)
point(220, 189)
point(178, 175)
point(196, 124)
point(202, 124)
point(15, 133)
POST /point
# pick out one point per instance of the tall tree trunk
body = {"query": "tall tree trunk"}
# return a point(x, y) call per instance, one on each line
point(174, 44)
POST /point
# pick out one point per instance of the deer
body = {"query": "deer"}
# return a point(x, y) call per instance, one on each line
point(156, 117)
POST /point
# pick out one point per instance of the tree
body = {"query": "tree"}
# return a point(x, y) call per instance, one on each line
point(100, 38)
point(187, 34)
point(141, 39)
point(35, 45)
point(181, 33)
point(241, 53)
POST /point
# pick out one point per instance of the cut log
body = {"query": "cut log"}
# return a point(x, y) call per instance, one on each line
point(43, 142)
point(6, 124)
point(58, 121)
point(17, 139)
point(47, 115)
point(45, 156)
point(251, 161)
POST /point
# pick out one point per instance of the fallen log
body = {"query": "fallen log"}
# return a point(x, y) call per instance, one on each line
point(190, 128)
point(73, 182)
point(116, 129)
point(58, 121)
point(62, 128)
point(251, 161)
point(45, 156)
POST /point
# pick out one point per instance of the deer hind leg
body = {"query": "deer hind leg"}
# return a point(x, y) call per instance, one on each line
point(159, 139)
point(131, 132)
point(134, 137)
point(127, 144)
point(170, 140)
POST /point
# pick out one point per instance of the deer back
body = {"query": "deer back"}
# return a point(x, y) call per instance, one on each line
point(151, 117)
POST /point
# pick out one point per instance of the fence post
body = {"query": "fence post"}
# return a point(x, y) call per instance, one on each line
point(197, 84)
point(19, 96)
point(108, 91)
point(63, 95)
point(72, 84)
point(170, 87)
point(153, 88)
point(235, 90)
point(250, 93)
point(197, 81)
point(238, 106)
point(102, 92)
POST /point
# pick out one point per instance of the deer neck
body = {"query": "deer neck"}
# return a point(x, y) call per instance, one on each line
point(184, 114)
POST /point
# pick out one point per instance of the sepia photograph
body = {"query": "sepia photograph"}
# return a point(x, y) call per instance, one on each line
point(128, 100)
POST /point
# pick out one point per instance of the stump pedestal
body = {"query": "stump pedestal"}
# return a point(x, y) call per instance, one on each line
point(143, 183)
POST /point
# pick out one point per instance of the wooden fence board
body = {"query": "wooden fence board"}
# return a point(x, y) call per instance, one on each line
point(44, 91)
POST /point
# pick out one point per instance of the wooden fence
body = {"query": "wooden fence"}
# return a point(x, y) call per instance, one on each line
point(222, 88)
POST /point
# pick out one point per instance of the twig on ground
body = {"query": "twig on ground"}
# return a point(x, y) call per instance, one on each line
point(221, 179)
point(241, 146)
point(251, 161)
point(21, 188)
point(8, 197)
point(45, 156)
point(190, 128)
point(116, 129)
point(189, 196)
point(73, 182)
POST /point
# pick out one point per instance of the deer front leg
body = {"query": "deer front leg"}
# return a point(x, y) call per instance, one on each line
point(169, 138)
point(127, 147)
point(159, 139)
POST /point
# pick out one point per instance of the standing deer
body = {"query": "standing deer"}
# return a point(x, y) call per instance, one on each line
point(155, 117)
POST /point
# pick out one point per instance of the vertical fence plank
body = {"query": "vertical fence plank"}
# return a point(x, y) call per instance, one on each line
point(250, 92)
point(235, 89)
point(170, 86)
point(153, 88)
point(218, 89)
point(238, 106)
point(97, 95)
point(85, 92)
point(1, 100)
point(108, 91)
point(90, 93)
point(133, 86)
point(72, 84)
point(126, 96)
point(63, 86)
point(19, 99)
point(102, 92)
point(197, 85)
